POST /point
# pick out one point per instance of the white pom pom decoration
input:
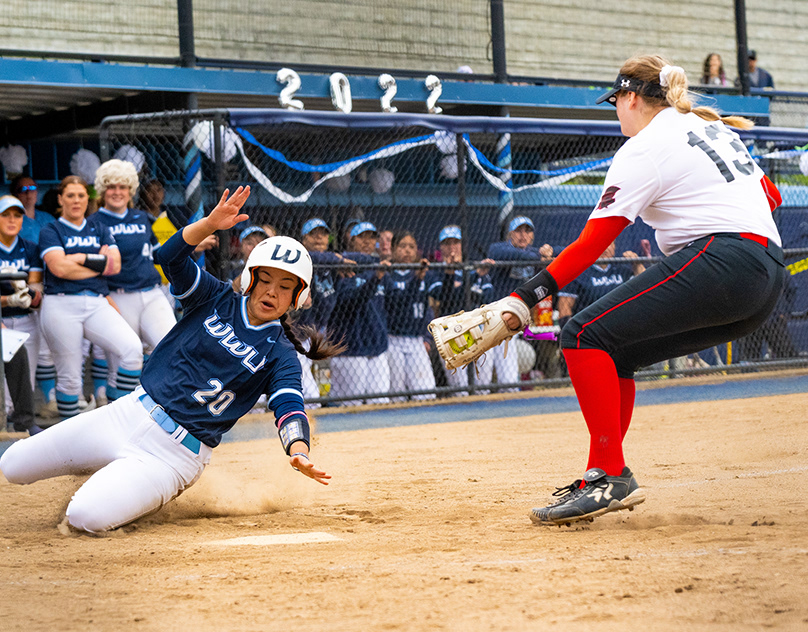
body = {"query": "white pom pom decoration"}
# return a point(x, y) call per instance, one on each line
point(14, 158)
point(84, 164)
point(131, 154)
point(381, 180)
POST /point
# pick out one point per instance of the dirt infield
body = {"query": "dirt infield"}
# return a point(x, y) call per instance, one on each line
point(433, 534)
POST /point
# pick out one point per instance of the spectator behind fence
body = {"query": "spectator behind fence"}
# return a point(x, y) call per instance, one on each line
point(713, 71)
point(448, 291)
point(248, 239)
point(317, 310)
point(406, 301)
point(517, 248)
point(79, 256)
point(136, 289)
point(385, 247)
point(26, 191)
point(359, 320)
point(758, 78)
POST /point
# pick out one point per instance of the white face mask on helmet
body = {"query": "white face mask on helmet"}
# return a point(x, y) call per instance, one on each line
point(283, 253)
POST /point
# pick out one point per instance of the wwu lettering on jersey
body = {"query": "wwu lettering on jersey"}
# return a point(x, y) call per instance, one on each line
point(78, 241)
point(227, 338)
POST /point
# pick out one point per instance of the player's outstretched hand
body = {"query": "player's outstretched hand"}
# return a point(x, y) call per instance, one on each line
point(226, 213)
point(303, 465)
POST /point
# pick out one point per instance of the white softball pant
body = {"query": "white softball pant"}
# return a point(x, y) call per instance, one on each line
point(149, 315)
point(28, 324)
point(138, 467)
point(507, 367)
point(66, 320)
point(357, 375)
point(410, 368)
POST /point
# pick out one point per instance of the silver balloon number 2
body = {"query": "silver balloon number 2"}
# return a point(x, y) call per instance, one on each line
point(388, 84)
point(340, 92)
point(432, 84)
point(292, 81)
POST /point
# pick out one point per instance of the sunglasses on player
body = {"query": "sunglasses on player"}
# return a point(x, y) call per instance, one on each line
point(27, 187)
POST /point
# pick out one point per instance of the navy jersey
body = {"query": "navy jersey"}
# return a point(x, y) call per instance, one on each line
point(133, 234)
point(450, 291)
point(213, 365)
point(507, 278)
point(323, 292)
point(359, 318)
point(405, 298)
point(595, 283)
point(88, 239)
point(22, 255)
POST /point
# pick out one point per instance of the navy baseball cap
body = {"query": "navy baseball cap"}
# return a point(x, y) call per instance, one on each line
point(450, 232)
point(311, 224)
point(9, 201)
point(363, 227)
point(250, 230)
point(631, 85)
point(516, 222)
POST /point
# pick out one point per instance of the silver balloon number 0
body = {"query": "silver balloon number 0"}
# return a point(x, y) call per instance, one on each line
point(292, 81)
point(432, 84)
point(340, 92)
point(388, 84)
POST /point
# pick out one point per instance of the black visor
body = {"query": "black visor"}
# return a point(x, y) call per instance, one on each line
point(632, 85)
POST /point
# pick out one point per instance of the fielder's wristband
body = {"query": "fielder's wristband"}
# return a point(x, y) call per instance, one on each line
point(296, 429)
point(96, 263)
point(538, 288)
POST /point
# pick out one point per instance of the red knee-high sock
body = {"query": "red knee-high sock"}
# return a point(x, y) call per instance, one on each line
point(626, 403)
point(594, 377)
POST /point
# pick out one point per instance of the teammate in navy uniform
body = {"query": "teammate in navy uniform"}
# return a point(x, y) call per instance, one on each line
point(79, 256)
point(136, 288)
point(19, 301)
point(316, 312)
point(228, 349)
point(448, 294)
point(517, 248)
point(360, 320)
point(406, 294)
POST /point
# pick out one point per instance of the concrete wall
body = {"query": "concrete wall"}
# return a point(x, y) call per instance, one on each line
point(554, 38)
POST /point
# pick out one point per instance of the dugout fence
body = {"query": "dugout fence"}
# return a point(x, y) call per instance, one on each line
point(421, 173)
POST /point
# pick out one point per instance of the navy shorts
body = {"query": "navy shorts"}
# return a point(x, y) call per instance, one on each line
point(716, 289)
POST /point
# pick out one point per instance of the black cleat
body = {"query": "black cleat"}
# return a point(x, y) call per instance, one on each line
point(600, 494)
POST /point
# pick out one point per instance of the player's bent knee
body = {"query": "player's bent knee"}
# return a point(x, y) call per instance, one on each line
point(13, 464)
point(87, 517)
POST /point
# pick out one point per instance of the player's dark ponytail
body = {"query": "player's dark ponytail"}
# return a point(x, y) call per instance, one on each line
point(320, 346)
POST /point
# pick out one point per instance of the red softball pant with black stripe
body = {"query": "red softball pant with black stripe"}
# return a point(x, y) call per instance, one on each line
point(716, 289)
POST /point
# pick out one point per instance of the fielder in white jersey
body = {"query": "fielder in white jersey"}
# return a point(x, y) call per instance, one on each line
point(136, 288)
point(226, 351)
point(78, 259)
point(685, 172)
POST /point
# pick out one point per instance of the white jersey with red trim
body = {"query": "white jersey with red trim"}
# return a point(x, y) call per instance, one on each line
point(687, 178)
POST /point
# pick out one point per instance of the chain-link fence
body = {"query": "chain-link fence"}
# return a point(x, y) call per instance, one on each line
point(408, 217)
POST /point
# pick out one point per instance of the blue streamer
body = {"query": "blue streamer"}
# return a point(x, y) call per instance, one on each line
point(326, 168)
